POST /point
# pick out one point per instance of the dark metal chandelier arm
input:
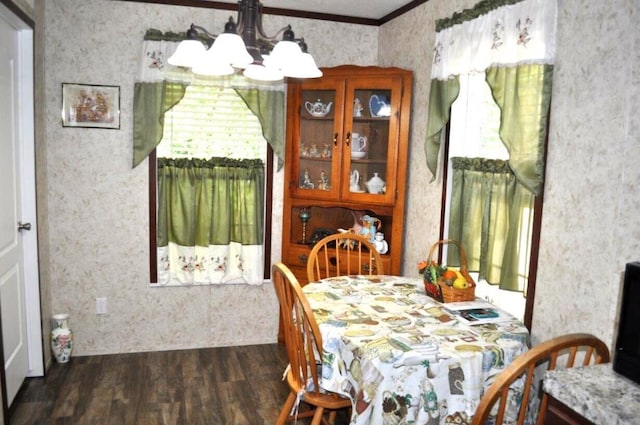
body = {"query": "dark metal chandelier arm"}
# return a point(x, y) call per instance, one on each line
point(193, 33)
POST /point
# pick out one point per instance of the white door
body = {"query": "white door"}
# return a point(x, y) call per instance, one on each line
point(18, 241)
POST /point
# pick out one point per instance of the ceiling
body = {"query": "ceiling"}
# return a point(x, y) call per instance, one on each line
point(374, 10)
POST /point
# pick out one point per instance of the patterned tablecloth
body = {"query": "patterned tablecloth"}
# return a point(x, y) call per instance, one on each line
point(402, 357)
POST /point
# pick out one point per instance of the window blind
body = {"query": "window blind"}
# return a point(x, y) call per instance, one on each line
point(212, 121)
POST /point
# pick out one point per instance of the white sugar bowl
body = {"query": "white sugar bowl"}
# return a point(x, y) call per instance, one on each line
point(375, 184)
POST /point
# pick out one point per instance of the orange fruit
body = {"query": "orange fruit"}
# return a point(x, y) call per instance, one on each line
point(449, 274)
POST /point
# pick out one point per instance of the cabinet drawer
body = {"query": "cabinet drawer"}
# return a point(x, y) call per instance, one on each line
point(296, 255)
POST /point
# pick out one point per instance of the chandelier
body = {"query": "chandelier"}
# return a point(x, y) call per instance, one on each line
point(245, 46)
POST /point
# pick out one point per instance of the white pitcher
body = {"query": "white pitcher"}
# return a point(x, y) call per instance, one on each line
point(359, 143)
point(354, 179)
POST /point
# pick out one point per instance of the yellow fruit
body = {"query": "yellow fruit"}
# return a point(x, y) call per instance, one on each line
point(460, 283)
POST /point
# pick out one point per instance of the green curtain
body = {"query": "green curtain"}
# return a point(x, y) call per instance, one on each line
point(441, 96)
point(268, 106)
point(523, 94)
point(210, 202)
point(150, 102)
point(491, 214)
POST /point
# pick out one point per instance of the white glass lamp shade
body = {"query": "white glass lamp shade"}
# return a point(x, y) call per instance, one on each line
point(212, 63)
point(263, 73)
point(230, 48)
point(304, 67)
point(284, 53)
point(187, 53)
point(212, 66)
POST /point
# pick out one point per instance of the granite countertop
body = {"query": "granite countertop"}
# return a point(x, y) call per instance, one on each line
point(596, 392)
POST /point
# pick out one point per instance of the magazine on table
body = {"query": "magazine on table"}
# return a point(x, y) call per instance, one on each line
point(477, 312)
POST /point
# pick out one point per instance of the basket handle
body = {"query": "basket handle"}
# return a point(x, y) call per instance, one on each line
point(463, 254)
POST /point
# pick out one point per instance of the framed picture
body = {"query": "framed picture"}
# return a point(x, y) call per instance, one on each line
point(85, 105)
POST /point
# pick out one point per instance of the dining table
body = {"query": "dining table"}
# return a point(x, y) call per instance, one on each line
point(404, 358)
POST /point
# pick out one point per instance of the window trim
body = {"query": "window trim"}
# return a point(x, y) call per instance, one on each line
point(153, 219)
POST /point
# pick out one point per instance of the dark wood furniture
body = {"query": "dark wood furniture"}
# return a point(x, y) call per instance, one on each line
point(559, 414)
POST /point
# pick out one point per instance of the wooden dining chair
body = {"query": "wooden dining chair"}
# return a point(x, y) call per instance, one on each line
point(561, 352)
point(303, 342)
point(343, 254)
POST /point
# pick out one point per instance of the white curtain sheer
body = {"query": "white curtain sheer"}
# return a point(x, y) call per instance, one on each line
point(507, 36)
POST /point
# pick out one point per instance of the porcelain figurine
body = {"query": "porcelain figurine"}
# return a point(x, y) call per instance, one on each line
point(381, 245)
point(357, 108)
point(304, 151)
point(323, 182)
point(306, 182)
point(314, 152)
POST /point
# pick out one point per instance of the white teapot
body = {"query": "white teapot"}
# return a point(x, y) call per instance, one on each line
point(318, 108)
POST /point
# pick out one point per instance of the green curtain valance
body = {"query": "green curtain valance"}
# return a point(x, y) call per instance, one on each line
point(210, 163)
point(481, 8)
point(482, 165)
point(157, 35)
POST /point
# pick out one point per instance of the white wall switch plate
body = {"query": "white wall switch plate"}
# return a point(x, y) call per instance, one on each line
point(101, 305)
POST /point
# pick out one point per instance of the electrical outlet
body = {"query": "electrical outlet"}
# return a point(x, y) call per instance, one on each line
point(101, 305)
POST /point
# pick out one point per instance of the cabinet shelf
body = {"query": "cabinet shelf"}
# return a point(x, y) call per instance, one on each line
point(371, 119)
point(310, 158)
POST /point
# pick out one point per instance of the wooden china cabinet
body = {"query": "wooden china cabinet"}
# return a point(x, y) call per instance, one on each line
point(346, 159)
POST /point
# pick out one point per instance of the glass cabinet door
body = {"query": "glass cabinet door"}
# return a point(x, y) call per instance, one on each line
point(318, 154)
point(371, 138)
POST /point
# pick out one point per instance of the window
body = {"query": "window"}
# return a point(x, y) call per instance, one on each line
point(474, 133)
point(212, 135)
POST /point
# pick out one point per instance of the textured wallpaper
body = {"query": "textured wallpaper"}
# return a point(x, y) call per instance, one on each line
point(591, 225)
point(93, 207)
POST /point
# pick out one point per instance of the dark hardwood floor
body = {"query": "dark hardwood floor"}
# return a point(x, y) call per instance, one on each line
point(218, 386)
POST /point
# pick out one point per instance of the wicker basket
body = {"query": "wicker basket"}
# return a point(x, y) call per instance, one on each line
point(439, 290)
